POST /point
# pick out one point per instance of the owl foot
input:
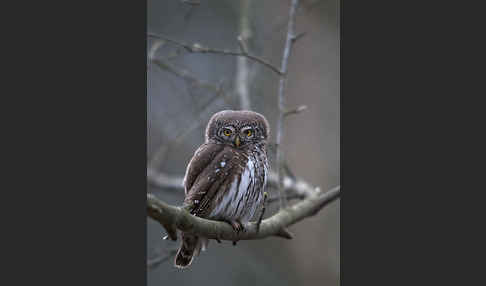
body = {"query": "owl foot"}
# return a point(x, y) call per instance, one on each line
point(236, 225)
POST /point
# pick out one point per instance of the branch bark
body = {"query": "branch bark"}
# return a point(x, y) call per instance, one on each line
point(173, 218)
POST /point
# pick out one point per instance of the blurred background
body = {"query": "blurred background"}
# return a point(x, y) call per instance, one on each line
point(183, 91)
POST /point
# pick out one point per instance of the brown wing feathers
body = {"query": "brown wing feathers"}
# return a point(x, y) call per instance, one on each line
point(201, 159)
point(209, 173)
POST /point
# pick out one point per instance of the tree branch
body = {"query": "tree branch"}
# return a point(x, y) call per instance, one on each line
point(173, 218)
point(197, 48)
point(281, 102)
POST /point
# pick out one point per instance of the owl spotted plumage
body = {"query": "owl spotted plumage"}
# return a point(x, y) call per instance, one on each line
point(226, 177)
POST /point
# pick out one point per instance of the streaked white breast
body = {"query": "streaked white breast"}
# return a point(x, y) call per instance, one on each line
point(227, 208)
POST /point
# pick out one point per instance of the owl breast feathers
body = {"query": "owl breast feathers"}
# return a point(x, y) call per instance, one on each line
point(227, 175)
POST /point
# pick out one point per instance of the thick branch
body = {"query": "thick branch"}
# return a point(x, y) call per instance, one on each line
point(281, 103)
point(172, 218)
point(197, 48)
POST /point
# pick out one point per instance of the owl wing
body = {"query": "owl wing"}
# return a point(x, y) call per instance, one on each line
point(200, 160)
point(211, 168)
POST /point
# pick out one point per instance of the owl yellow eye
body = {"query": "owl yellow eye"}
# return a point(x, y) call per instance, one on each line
point(227, 132)
point(248, 132)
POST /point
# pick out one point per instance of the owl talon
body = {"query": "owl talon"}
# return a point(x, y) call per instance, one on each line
point(237, 226)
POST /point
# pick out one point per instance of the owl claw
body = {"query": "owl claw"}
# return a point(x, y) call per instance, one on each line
point(237, 226)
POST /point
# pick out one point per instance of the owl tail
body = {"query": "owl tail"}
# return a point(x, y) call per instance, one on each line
point(190, 247)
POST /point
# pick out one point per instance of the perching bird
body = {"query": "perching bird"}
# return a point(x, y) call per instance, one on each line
point(227, 175)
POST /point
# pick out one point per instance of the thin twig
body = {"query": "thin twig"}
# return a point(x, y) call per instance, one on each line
point(153, 49)
point(187, 75)
point(297, 110)
point(242, 43)
point(197, 48)
point(300, 35)
point(281, 100)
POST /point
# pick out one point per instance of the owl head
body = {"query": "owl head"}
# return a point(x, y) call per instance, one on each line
point(237, 128)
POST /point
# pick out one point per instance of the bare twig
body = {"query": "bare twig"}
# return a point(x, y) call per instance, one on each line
point(295, 110)
point(187, 75)
point(281, 102)
point(173, 218)
point(300, 35)
point(197, 48)
point(153, 49)
point(175, 54)
point(242, 43)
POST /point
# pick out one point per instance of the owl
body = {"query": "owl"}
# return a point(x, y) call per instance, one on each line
point(227, 175)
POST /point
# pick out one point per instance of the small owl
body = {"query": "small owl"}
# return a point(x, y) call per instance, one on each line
point(227, 175)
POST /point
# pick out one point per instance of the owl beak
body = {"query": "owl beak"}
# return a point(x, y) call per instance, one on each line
point(237, 141)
